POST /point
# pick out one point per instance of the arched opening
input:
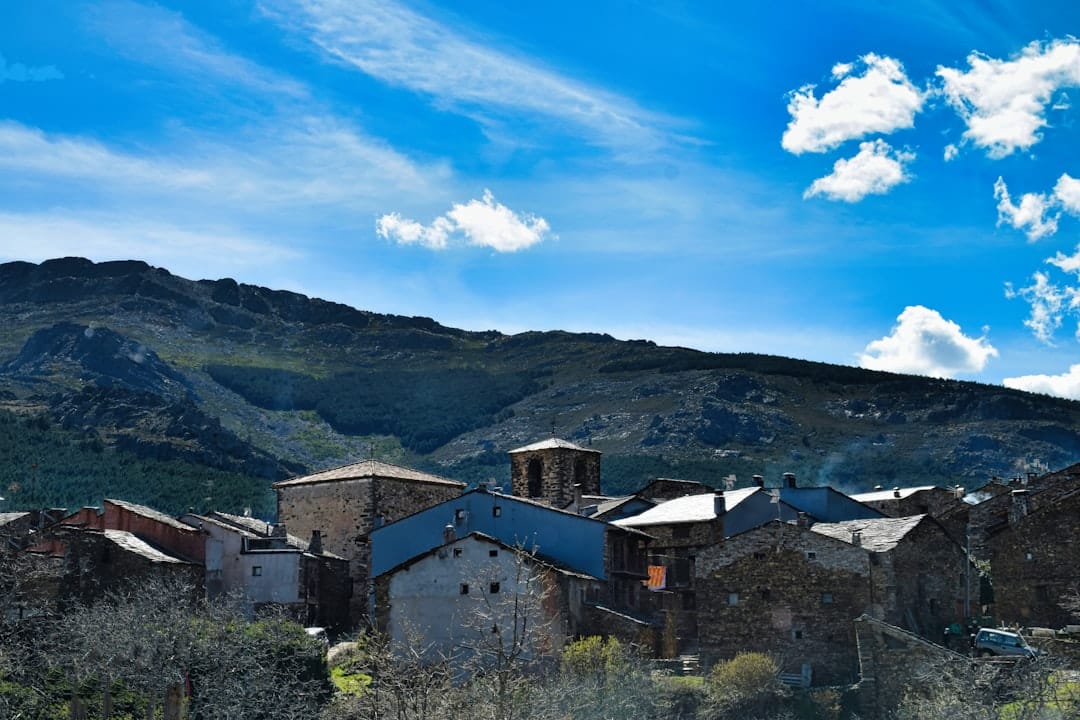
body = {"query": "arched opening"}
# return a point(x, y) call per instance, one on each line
point(581, 474)
point(534, 475)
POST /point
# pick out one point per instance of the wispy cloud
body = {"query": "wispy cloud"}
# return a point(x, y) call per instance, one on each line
point(924, 343)
point(1004, 102)
point(1037, 214)
point(18, 72)
point(880, 100)
point(162, 38)
point(1066, 385)
point(405, 49)
point(1048, 302)
point(876, 169)
point(485, 223)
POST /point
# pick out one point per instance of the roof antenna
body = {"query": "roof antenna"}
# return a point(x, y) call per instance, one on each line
point(371, 451)
point(552, 427)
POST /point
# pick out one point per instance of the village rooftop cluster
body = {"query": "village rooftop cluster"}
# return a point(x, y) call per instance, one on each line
point(808, 574)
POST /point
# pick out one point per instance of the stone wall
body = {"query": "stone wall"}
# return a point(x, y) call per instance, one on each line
point(1034, 563)
point(783, 590)
point(559, 470)
point(346, 511)
point(929, 571)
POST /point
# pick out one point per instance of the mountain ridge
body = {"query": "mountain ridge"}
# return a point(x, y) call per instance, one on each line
point(305, 383)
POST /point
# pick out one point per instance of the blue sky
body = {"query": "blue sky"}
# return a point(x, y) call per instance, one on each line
point(891, 187)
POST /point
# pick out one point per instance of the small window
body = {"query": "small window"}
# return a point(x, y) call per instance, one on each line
point(459, 515)
point(811, 555)
point(256, 571)
point(496, 511)
point(1027, 556)
point(826, 598)
point(766, 594)
point(463, 589)
point(733, 599)
point(493, 588)
point(680, 532)
point(493, 553)
point(759, 556)
point(796, 634)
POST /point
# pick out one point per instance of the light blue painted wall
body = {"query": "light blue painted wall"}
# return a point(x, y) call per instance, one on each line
point(571, 540)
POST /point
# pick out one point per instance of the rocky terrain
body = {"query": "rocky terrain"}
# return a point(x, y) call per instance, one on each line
point(133, 361)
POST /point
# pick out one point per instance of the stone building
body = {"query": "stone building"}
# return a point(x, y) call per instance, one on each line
point(472, 594)
point(1034, 561)
point(683, 526)
point(553, 470)
point(347, 503)
point(907, 501)
point(792, 589)
point(612, 555)
point(784, 590)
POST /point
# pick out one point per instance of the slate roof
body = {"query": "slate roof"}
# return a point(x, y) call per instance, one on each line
point(151, 513)
point(368, 469)
point(877, 534)
point(132, 544)
point(691, 508)
point(553, 444)
point(10, 517)
point(484, 537)
point(878, 495)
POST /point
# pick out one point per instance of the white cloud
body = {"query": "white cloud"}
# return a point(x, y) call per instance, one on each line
point(1066, 385)
point(880, 100)
point(1067, 192)
point(1048, 302)
point(1003, 102)
point(17, 72)
point(875, 170)
point(951, 151)
point(486, 223)
point(1034, 214)
point(924, 343)
point(400, 47)
point(1038, 213)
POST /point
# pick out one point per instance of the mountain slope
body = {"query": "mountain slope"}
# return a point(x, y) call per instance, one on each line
point(303, 382)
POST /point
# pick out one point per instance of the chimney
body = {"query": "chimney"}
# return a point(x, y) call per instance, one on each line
point(803, 520)
point(856, 538)
point(1031, 477)
point(958, 492)
point(719, 506)
point(896, 492)
point(277, 530)
point(759, 481)
point(577, 497)
point(789, 480)
point(1020, 505)
point(315, 546)
point(449, 535)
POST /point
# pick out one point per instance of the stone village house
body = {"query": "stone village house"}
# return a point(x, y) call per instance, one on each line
point(793, 589)
point(346, 504)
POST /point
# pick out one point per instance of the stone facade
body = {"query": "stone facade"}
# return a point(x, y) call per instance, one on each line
point(787, 591)
point(347, 503)
point(549, 471)
point(1033, 562)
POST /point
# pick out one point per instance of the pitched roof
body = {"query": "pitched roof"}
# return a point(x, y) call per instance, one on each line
point(132, 544)
point(10, 517)
point(151, 513)
point(368, 469)
point(476, 535)
point(553, 444)
point(687, 509)
point(878, 495)
point(876, 534)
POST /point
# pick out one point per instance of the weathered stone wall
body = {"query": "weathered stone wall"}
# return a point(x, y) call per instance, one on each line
point(784, 590)
point(928, 567)
point(560, 470)
point(346, 511)
point(186, 542)
point(1034, 562)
